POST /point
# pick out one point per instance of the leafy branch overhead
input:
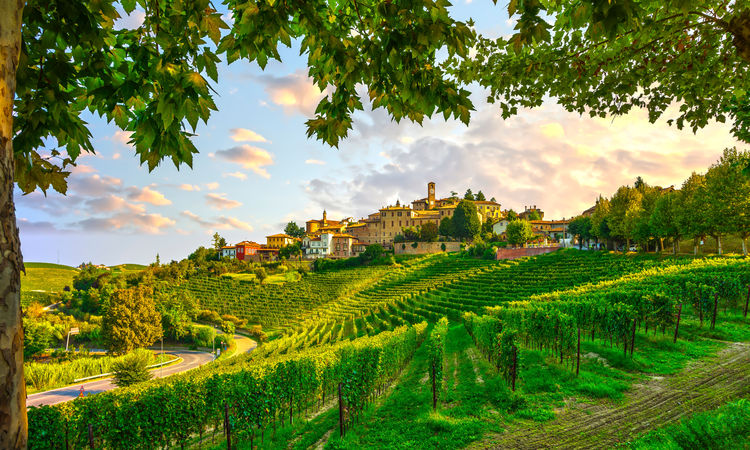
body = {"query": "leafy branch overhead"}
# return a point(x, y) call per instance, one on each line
point(153, 80)
point(603, 58)
point(407, 56)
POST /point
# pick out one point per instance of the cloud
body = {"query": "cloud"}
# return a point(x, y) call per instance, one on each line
point(248, 157)
point(220, 223)
point(548, 157)
point(212, 186)
point(116, 156)
point(315, 161)
point(122, 137)
point(295, 93)
point(238, 175)
point(133, 223)
point(112, 203)
point(95, 185)
point(245, 135)
point(190, 187)
point(80, 169)
point(148, 195)
point(219, 201)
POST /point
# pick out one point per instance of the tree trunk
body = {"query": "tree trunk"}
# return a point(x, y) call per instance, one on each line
point(674, 246)
point(744, 246)
point(13, 426)
point(718, 243)
point(627, 244)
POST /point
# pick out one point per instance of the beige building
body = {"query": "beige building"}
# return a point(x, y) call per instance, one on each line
point(279, 240)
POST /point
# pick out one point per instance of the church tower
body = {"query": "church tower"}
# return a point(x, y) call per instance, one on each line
point(325, 223)
point(430, 195)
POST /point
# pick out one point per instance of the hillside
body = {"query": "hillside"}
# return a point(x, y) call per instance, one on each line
point(363, 329)
point(42, 280)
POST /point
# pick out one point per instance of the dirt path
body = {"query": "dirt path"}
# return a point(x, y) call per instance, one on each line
point(701, 386)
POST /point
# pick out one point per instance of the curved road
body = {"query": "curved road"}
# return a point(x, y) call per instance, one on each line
point(190, 360)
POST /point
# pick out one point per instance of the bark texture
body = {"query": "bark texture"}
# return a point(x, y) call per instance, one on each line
point(13, 425)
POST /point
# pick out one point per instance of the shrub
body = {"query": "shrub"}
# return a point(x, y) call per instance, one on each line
point(228, 327)
point(132, 369)
point(209, 316)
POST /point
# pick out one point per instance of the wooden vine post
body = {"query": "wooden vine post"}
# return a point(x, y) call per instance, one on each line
point(341, 413)
point(227, 426)
point(747, 300)
point(632, 340)
point(434, 388)
point(514, 370)
point(677, 327)
point(578, 352)
point(716, 308)
point(91, 436)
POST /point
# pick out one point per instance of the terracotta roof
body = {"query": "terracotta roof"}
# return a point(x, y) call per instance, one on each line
point(548, 222)
point(356, 225)
point(395, 207)
point(344, 235)
point(248, 244)
point(283, 235)
point(486, 202)
point(228, 246)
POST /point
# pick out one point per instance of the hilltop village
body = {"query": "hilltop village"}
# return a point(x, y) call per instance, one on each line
point(396, 224)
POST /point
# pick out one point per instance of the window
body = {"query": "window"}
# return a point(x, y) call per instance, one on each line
point(392, 223)
point(399, 223)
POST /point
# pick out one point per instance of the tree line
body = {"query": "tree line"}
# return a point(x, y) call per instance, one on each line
point(714, 204)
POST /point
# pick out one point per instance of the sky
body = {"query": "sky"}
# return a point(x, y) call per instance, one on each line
point(257, 170)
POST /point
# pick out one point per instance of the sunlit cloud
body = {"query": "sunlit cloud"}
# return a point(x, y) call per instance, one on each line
point(315, 162)
point(248, 157)
point(219, 201)
point(190, 187)
point(238, 175)
point(148, 195)
point(295, 93)
point(245, 135)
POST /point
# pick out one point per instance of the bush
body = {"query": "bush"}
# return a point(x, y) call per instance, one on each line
point(203, 336)
point(228, 327)
point(238, 323)
point(257, 334)
point(209, 316)
point(132, 368)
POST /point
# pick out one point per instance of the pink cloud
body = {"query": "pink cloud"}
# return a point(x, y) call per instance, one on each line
point(148, 195)
point(248, 157)
point(219, 201)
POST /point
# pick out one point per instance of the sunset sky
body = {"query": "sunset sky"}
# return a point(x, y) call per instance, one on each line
point(256, 169)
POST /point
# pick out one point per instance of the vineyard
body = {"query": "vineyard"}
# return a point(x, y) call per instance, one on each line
point(504, 342)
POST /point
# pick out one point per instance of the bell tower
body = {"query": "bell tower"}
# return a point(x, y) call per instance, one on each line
point(325, 222)
point(431, 194)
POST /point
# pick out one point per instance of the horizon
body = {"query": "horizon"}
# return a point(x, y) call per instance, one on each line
point(256, 170)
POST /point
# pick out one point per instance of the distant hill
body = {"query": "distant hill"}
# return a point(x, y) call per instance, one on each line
point(43, 265)
point(44, 279)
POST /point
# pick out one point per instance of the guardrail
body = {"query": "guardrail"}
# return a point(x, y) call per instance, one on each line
point(112, 373)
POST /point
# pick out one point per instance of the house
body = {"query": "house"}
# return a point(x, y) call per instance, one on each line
point(228, 251)
point(266, 253)
point(555, 229)
point(245, 250)
point(358, 248)
point(279, 240)
point(318, 246)
point(500, 226)
point(527, 210)
point(320, 226)
point(341, 245)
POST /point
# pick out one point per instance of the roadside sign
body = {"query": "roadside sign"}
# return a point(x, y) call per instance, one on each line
point(74, 330)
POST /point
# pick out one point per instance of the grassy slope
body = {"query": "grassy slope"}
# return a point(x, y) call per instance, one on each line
point(42, 279)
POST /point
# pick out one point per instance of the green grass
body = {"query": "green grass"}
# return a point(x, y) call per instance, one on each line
point(42, 280)
point(726, 427)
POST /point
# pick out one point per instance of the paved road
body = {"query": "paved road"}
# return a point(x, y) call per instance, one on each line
point(190, 360)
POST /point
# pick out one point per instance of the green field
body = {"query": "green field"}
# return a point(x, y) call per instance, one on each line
point(42, 280)
point(365, 329)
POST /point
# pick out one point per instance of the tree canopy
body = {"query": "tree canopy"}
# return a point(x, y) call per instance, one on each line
point(131, 320)
point(606, 58)
point(465, 220)
point(519, 232)
point(294, 230)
